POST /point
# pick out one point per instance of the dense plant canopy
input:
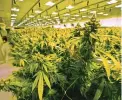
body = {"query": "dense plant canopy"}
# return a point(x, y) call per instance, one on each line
point(61, 64)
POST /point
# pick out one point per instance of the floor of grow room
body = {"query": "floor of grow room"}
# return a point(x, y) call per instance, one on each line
point(6, 70)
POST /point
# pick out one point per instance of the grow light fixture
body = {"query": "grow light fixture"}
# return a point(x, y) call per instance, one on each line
point(15, 9)
point(93, 12)
point(54, 13)
point(50, 3)
point(83, 10)
point(112, 2)
point(39, 19)
point(72, 18)
point(84, 16)
point(38, 11)
point(119, 6)
point(105, 14)
point(31, 16)
point(66, 14)
point(70, 7)
point(76, 15)
point(13, 15)
point(13, 18)
point(48, 19)
point(100, 13)
point(56, 17)
point(21, 0)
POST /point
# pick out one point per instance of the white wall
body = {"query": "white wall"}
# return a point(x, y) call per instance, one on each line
point(111, 22)
point(116, 22)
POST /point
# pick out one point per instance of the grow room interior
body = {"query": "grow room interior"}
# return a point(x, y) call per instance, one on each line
point(60, 49)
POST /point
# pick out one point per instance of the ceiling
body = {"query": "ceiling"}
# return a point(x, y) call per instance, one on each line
point(5, 10)
point(27, 7)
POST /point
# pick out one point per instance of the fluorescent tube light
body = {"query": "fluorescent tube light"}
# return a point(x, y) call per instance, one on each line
point(31, 16)
point(38, 11)
point(83, 10)
point(48, 19)
point(56, 17)
point(67, 14)
point(105, 14)
point(76, 15)
point(13, 18)
point(72, 18)
point(15, 9)
point(100, 13)
point(14, 15)
point(112, 2)
point(70, 7)
point(21, 0)
point(119, 6)
point(84, 16)
point(93, 12)
point(50, 3)
point(54, 13)
point(39, 19)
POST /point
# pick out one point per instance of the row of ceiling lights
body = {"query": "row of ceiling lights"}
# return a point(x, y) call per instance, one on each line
point(35, 22)
point(38, 11)
point(67, 14)
point(14, 10)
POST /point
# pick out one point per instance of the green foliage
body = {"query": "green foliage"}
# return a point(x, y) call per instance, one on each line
point(58, 65)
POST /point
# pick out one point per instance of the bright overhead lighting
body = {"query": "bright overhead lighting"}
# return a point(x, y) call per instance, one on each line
point(112, 1)
point(39, 19)
point(50, 3)
point(100, 13)
point(56, 17)
point(54, 13)
point(13, 18)
point(93, 12)
point(38, 11)
point(72, 18)
point(15, 9)
point(66, 14)
point(48, 19)
point(31, 16)
point(84, 16)
point(105, 14)
point(76, 15)
point(70, 7)
point(119, 6)
point(83, 10)
point(21, 0)
point(14, 15)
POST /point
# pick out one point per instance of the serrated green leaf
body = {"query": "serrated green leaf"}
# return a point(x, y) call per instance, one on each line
point(106, 66)
point(46, 80)
point(35, 82)
point(40, 87)
point(45, 68)
point(99, 90)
